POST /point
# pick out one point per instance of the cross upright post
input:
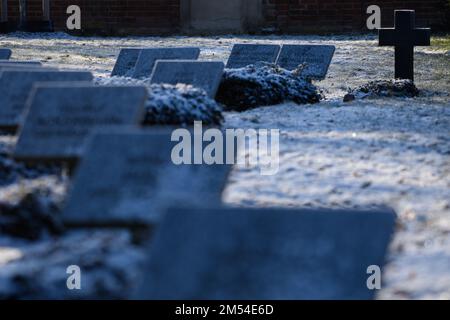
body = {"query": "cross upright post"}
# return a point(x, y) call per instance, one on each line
point(404, 37)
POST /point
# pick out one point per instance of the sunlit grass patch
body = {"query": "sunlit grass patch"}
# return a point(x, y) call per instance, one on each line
point(441, 42)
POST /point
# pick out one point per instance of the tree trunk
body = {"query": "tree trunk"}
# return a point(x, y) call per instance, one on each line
point(46, 10)
point(4, 8)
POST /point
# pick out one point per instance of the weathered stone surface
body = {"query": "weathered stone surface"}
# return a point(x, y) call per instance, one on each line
point(126, 62)
point(148, 57)
point(205, 75)
point(315, 59)
point(243, 55)
point(62, 116)
point(258, 254)
point(24, 67)
point(16, 85)
point(5, 54)
point(140, 181)
point(17, 62)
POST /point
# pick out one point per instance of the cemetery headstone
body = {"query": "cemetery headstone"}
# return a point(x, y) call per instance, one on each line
point(265, 254)
point(24, 67)
point(15, 87)
point(405, 36)
point(127, 178)
point(201, 74)
point(243, 55)
point(5, 54)
point(317, 59)
point(24, 63)
point(61, 116)
point(126, 61)
point(147, 58)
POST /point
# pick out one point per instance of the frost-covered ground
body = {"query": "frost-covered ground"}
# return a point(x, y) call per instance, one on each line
point(390, 151)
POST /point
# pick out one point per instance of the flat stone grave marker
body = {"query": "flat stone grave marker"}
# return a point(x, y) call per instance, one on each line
point(61, 116)
point(316, 57)
point(266, 254)
point(5, 53)
point(24, 67)
point(126, 61)
point(22, 63)
point(136, 180)
point(147, 58)
point(243, 55)
point(15, 86)
point(202, 74)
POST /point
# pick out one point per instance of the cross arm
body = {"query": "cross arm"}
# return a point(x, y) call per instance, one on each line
point(387, 37)
point(422, 37)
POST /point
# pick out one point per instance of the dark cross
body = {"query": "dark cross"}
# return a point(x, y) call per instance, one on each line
point(405, 36)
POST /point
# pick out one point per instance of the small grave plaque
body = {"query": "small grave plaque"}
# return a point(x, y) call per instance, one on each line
point(316, 57)
point(243, 55)
point(266, 254)
point(24, 67)
point(202, 74)
point(5, 54)
point(126, 61)
point(22, 63)
point(61, 116)
point(127, 178)
point(16, 85)
point(147, 58)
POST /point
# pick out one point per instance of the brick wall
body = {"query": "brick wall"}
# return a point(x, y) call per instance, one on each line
point(292, 16)
point(317, 16)
point(110, 16)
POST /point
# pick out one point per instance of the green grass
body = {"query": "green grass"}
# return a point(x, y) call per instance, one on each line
point(441, 42)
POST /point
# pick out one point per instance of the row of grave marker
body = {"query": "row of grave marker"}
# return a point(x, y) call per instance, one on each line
point(136, 62)
point(404, 37)
point(203, 74)
point(126, 178)
point(58, 111)
point(140, 62)
point(205, 250)
point(17, 79)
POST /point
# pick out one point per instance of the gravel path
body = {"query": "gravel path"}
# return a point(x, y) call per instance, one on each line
point(390, 151)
